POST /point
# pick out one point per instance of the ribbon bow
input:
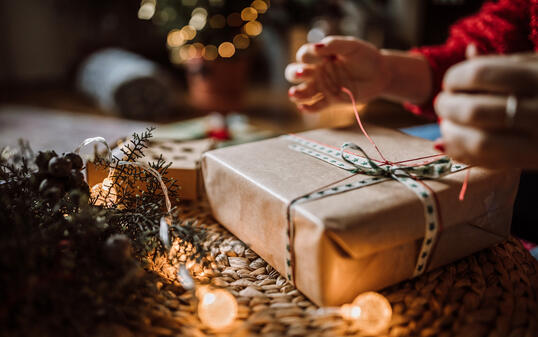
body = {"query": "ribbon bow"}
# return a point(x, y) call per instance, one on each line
point(430, 170)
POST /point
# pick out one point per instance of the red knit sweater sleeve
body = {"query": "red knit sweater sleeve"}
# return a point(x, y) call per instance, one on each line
point(500, 27)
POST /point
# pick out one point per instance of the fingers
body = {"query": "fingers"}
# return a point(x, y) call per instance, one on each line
point(486, 111)
point(303, 92)
point(299, 72)
point(339, 45)
point(314, 107)
point(329, 83)
point(489, 148)
point(307, 54)
point(497, 74)
point(330, 46)
point(471, 51)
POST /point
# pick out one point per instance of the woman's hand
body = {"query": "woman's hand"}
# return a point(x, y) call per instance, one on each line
point(322, 69)
point(478, 124)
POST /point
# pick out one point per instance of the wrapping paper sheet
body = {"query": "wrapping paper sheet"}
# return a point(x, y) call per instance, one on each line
point(359, 240)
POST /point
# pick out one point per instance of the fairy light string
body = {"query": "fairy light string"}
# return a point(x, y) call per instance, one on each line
point(180, 40)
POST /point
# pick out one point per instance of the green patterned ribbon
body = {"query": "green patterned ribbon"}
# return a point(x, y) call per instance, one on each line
point(408, 175)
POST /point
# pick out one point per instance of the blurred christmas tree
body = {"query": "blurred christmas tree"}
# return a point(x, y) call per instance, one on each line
point(205, 28)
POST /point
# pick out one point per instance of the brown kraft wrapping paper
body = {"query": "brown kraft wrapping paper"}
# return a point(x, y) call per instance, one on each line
point(360, 240)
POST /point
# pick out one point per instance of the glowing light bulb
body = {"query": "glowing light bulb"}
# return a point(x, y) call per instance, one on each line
point(371, 312)
point(217, 308)
point(104, 193)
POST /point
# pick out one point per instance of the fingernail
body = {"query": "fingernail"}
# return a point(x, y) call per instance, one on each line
point(319, 45)
point(299, 73)
point(439, 146)
point(291, 92)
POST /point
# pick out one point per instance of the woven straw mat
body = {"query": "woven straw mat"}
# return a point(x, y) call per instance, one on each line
point(491, 293)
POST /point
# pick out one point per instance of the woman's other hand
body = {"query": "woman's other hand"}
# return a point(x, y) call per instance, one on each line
point(489, 111)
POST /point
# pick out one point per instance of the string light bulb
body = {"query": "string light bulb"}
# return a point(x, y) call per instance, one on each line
point(104, 193)
point(217, 308)
point(370, 311)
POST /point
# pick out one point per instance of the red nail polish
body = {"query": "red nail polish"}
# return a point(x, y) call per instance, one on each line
point(299, 73)
point(291, 92)
point(319, 45)
point(439, 147)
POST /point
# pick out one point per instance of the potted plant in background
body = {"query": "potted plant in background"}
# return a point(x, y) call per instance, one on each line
point(210, 38)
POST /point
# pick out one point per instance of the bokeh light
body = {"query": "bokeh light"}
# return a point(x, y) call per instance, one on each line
point(249, 14)
point(190, 3)
point(253, 28)
point(175, 38)
point(198, 18)
point(195, 50)
point(184, 52)
point(210, 52)
point(241, 41)
point(198, 22)
point(188, 32)
point(175, 56)
point(217, 308)
point(199, 11)
point(226, 49)
point(234, 20)
point(216, 3)
point(146, 10)
point(217, 21)
point(260, 6)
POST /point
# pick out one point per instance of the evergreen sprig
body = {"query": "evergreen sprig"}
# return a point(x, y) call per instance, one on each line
point(68, 264)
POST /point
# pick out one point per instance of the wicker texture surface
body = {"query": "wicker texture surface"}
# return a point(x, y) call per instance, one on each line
point(492, 293)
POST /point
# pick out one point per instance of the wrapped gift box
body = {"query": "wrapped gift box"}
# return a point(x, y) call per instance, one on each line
point(362, 239)
point(185, 158)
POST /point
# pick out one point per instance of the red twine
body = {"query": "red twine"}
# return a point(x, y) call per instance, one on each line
point(356, 112)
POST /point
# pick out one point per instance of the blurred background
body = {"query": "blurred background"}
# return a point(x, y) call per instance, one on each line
point(121, 64)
